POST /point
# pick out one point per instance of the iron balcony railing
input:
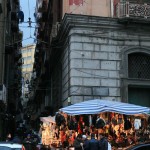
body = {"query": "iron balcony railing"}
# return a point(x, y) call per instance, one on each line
point(133, 10)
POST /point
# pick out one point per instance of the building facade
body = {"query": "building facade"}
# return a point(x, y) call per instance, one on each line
point(103, 60)
point(100, 54)
point(88, 7)
point(10, 62)
point(27, 69)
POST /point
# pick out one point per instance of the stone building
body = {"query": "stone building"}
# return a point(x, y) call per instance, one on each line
point(101, 58)
point(99, 55)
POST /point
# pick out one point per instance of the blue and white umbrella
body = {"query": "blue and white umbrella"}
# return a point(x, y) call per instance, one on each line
point(97, 106)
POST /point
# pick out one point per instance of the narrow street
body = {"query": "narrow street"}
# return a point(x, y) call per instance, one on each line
point(75, 74)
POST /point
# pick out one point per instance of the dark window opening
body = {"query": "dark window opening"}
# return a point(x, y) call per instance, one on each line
point(139, 66)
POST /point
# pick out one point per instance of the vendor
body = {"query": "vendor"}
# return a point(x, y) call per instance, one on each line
point(137, 123)
point(100, 123)
point(81, 125)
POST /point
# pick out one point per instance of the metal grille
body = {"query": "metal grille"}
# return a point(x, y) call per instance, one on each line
point(133, 9)
point(139, 66)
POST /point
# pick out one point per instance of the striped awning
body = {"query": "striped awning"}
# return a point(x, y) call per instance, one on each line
point(97, 106)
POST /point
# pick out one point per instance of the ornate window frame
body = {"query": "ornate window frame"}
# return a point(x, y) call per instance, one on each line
point(125, 80)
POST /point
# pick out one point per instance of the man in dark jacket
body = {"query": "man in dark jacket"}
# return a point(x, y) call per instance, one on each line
point(103, 143)
point(85, 142)
point(78, 143)
point(93, 143)
point(16, 139)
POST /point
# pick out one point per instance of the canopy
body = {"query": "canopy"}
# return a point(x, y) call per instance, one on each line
point(48, 119)
point(97, 106)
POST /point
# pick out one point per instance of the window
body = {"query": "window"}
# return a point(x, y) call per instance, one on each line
point(139, 66)
point(27, 66)
point(135, 73)
point(27, 58)
point(26, 51)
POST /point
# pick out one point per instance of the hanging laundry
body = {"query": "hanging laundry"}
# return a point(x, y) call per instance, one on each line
point(21, 16)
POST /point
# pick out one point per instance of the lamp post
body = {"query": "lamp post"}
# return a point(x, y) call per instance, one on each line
point(69, 101)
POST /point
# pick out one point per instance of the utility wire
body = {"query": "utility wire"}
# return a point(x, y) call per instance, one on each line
point(29, 8)
point(17, 21)
point(27, 27)
point(92, 34)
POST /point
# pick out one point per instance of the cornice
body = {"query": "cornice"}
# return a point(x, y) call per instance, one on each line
point(84, 21)
point(95, 22)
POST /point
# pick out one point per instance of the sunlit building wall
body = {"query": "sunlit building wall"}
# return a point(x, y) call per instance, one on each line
point(27, 68)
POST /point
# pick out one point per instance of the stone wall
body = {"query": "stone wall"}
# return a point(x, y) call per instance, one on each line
point(94, 58)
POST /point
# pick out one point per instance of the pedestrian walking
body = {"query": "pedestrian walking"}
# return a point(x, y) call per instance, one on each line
point(9, 137)
point(16, 139)
point(93, 143)
point(85, 142)
point(103, 143)
point(78, 143)
point(28, 143)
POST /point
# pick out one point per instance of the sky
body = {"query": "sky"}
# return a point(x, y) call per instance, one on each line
point(28, 7)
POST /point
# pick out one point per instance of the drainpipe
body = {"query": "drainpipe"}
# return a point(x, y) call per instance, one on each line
point(112, 8)
point(69, 85)
point(3, 46)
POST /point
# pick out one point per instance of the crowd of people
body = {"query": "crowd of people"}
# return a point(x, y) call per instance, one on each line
point(82, 143)
point(29, 139)
point(105, 131)
point(119, 130)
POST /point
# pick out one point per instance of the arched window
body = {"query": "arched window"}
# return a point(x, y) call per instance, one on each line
point(139, 66)
point(135, 75)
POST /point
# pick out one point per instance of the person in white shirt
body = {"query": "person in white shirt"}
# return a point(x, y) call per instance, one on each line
point(137, 123)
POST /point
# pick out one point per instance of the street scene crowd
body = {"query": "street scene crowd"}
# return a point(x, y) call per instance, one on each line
point(104, 131)
point(94, 132)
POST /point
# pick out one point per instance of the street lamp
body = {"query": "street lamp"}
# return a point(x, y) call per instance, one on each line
point(69, 101)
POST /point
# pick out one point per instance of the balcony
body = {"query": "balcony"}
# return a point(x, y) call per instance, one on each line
point(132, 10)
point(42, 6)
point(16, 2)
point(18, 55)
point(14, 16)
point(14, 27)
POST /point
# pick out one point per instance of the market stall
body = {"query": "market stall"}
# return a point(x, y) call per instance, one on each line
point(124, 124)
point(48, 130)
